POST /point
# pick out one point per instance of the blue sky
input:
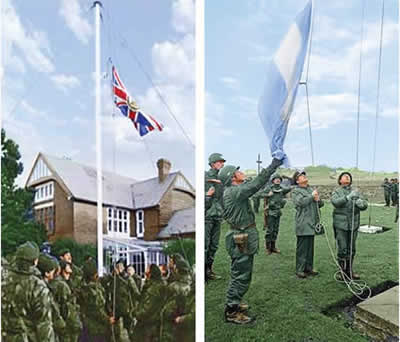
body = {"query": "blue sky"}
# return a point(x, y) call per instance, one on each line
point(48, 88)
point(240, 40)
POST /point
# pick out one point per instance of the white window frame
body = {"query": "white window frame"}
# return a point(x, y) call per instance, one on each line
point(44, 192)
point(40, 170)
point(140, 223)
point(114, 222)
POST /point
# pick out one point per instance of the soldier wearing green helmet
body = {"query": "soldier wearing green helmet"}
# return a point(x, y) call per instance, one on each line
point(213, 214)
point(275, 198)
point(242, 239)
point(26, 306)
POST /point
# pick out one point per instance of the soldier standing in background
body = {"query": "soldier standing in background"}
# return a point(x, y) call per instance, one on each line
point(307, 203)
point(395, 192)
point(75, 280)
point(387, 191)
point(26, 306)
point(275, 195)
point(213, 215)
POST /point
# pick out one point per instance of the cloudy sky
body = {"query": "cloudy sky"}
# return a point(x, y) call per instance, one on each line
point(241, 39)
point(48, 88)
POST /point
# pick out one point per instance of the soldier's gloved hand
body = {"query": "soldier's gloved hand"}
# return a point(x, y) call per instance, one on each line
point(353, 195)
point(359, 202)
point(276, 163)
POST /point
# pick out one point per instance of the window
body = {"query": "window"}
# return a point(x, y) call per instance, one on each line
point(44, 192)
point(47, 216)
point(140, 223)
point(118, 221)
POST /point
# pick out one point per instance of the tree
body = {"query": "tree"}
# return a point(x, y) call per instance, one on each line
point(185, 247)
point(16, 203)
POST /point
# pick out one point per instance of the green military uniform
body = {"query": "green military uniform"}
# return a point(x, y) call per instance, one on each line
point(179, 304)
point(276, 201)
point(69, 309)
point(256, 203)
point(387, 191)
point(150, 313)
point(395, 192)
point(346, 222)
point(48, 264)
point(26, 302)
point(242, 239)
point(307, 216)
point(213, 214)
point(93, 306)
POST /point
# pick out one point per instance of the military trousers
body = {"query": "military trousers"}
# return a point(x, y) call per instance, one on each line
point(346, 243)
point(304, 253)
point(256, 204)
point(212, 234)
point(387, 197)
point(241, 273)
point(272, 229)
point(395, 198)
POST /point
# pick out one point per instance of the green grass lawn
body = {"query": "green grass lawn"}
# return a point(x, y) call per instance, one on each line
point(288, 308)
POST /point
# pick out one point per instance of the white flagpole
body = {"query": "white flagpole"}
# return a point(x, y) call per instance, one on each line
point(97, 5)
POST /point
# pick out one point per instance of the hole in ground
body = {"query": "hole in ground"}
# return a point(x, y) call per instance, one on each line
point(344, 309)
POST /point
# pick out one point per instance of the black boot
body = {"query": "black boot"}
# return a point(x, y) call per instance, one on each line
point(274, 249)
point(351, 272)
point(213, 275)
point(268, 247)
point(343, 271)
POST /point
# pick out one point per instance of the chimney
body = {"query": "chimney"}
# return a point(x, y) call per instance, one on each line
point(164, 166)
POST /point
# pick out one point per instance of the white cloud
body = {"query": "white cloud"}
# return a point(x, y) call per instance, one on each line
point(327, 110)
point(33, 45)
point(175, 62)
point(183, 16)
point(65, 82)
point(72, 13)
point(230, 82)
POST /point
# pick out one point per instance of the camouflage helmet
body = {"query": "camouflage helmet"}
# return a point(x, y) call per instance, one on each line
point(155, 273)
point(89, 269)
point(64, 251)
point(275, 176)
point(180, 262)
point(214, 157)
point(345, 173)
point(46, 263)
point(28, 251)
point(226, 173)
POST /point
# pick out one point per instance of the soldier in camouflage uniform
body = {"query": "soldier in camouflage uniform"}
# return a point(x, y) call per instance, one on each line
point(97, 323)
point(150, 313)
point(69, 309)
point(387, 191)
point(26, 304)
point(75, 281)
point(131, 274)
point(213, 215)
point(48, 266)
point(347, 204)
point(275, 195)
point(307, 203)
point(242, 239)
point(178, 305)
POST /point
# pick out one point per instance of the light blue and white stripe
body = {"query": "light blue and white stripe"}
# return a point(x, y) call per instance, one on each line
point(283, 76)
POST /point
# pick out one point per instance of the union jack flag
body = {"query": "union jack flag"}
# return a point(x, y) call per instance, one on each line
point(144, 123)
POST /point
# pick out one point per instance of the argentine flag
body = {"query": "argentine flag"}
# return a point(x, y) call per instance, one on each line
point(283, 76)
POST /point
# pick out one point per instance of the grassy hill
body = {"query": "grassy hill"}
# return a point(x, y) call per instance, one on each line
point(324, 175)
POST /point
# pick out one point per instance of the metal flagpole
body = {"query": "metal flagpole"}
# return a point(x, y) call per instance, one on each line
point(97, 5)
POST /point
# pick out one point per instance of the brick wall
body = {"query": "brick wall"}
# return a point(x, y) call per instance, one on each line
point(172, 201)
point(85, 222)
point(151, 224)
point(64, 225)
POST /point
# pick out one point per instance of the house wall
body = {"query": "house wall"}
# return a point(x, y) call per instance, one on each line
point(64, 224)
point(132, 232)
point(151, 223)
point(172, 201)
point(85, 222)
